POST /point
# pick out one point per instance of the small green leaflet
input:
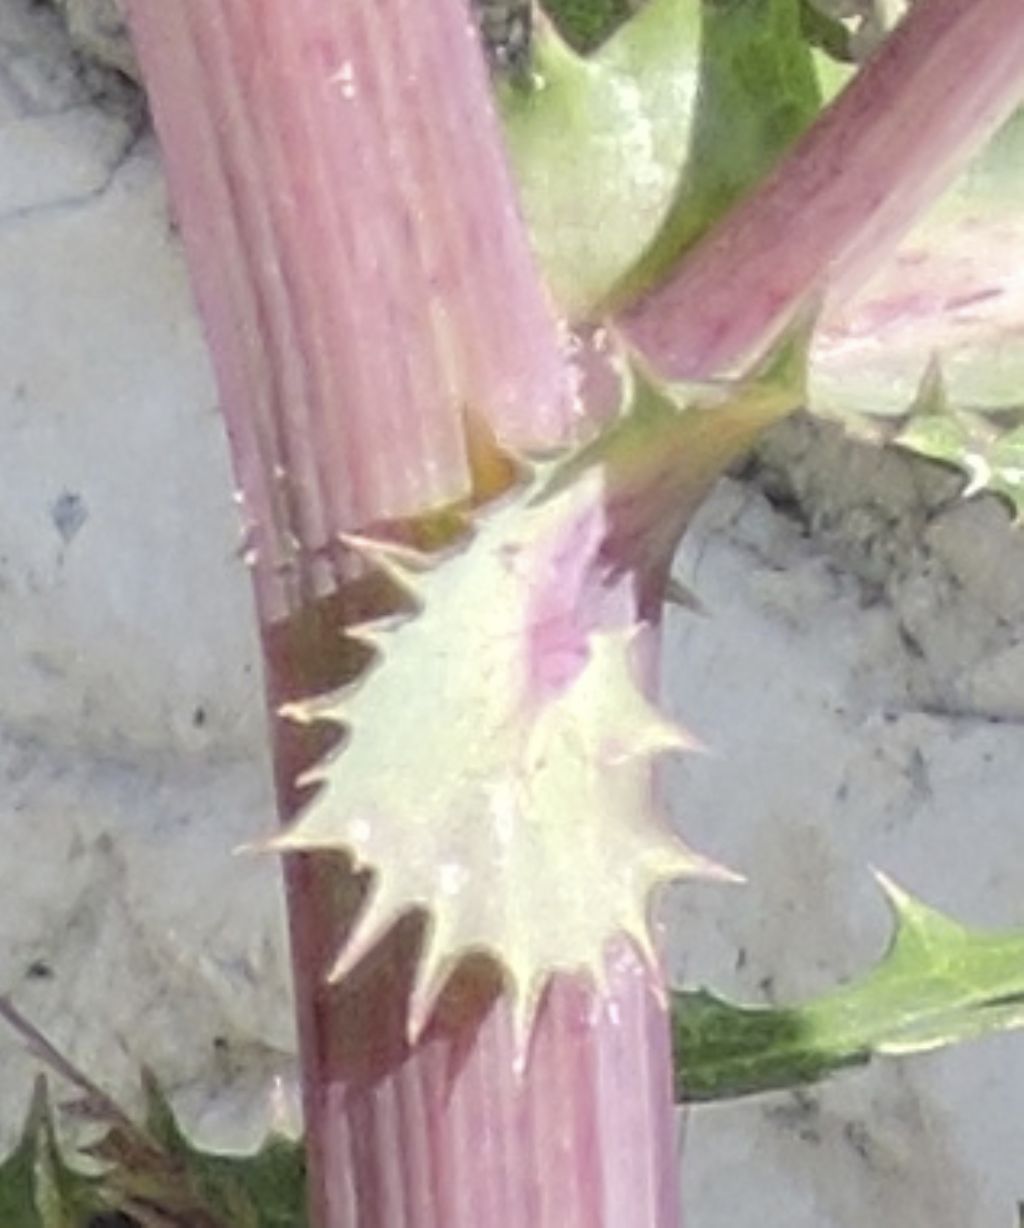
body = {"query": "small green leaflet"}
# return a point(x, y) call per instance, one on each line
point(37, 1189)
point(158, 1167)
point(149, 1174)
point(938, 984)
point(989, 448)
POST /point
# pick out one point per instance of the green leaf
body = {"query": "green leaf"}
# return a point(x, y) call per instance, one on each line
point(37, 1189)
point(598, 143)
point(757, 92)
point(825, 33)
point(157, 1167)
point(623, 158)
point(938, 984)
point(264, 1189)
point(18, 1172)
point(989, 449)
point(587, 23)
point(149, 1173)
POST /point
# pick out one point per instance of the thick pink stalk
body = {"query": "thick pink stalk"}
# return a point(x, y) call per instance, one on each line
point(837, 204)
point(349, 222)
point(366, 284)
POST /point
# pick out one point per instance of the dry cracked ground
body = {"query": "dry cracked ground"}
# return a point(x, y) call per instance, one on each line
point(859, 677)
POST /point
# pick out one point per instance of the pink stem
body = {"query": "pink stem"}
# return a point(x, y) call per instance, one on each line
point(362, 274)
point(366, 283)
point(838, 203)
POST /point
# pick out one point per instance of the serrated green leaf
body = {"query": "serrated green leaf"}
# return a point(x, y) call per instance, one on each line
point(262, 1189)
point(597, 145)
point(153, 1175)
point(625, 157)
point(156, 1167)
point(989, 449)
point(150, 1174)
point(18, 1205)
point(37, 1189)
point(938, 984)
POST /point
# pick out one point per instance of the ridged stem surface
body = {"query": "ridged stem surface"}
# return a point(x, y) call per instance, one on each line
point(366, 284)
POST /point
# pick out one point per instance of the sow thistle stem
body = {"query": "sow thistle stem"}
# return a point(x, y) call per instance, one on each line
point(838, 202)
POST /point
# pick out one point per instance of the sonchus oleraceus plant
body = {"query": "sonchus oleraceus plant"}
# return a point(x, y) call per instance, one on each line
point(489, 317)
